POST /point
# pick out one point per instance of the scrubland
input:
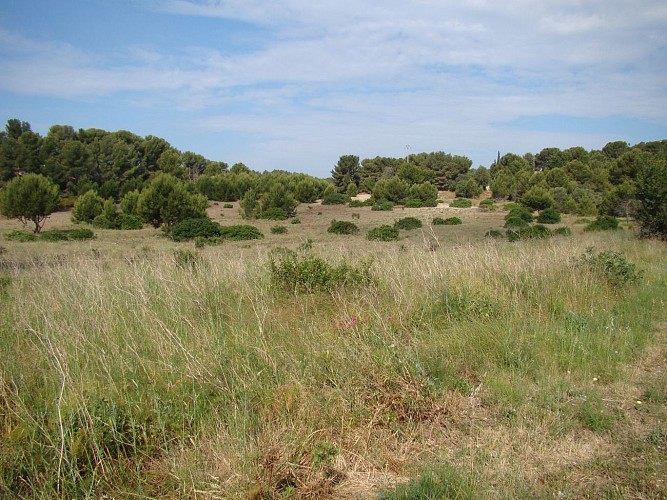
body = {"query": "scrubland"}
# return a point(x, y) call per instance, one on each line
point(442, 364)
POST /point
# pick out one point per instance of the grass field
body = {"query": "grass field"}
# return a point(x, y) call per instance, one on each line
point(445, 363)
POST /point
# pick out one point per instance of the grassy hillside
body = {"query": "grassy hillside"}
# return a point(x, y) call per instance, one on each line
point(444, 363)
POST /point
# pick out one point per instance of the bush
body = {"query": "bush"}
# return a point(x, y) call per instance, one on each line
point(87, 207)
point(538, 231)
point(430, 202)
point(67, 235)
point(408, 223)
point(438, 221)
point(452, 221)
point(383, 233)
point(562, 231)
point(612, 266)
point(193, 228)
point(278, 230)
point(240, 232)
point(186, 258)
point(413, 203)
point(487, 206)
point(128, 222)
point(493, 233)
point(461, 203)
point(335, 198)
point(20, 236)
point(548, 216)
point(521, 212)
point(603, 223)
point(274, 213)
point(310, 274)
point(228, 205)
point(515, 222)
point(342, 227)
point(384, 206)
point(358, 203)
point(295, 220)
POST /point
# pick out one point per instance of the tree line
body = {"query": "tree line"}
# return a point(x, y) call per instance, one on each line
point(619, 179)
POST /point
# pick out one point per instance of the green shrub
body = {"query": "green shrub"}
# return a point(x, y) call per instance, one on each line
point(515, 222)
point(193, 228)
point(358, 203)
point(438, 482)
point(54, 235)
point(548, 216)
point(342, 227)
point(438, 221)
point(87, 207)
point(278, 230)
point(335, 198)
point(508, 207)
point(295, 220)
point(128, 222)
point(186, 258)
point(80, 234)
point(486, 203)
point(461, 203)
point(383, 233)
point(413, 203)
point(538, 231)
point(20, 236)
point(67, 235)
point(383, 206)
point(408, 223)
point(240, 232)
point(275, 213)
point(5, 283)
point(493, 233)
point(603, 223)
point(452, 221)
point(611, 266)
point(562, 231)
point(520, 212)
point(430, 202)
point(310, 274)
point(228, 205)
point(356, 216)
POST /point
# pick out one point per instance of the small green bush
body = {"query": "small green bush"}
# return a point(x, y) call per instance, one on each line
point(335, 198)
point(342, 227)
point(508, 207)
point(295, 220)
point(356, 216)
point(383, 233)
point(515, 222)
point(538, 231)
point(80, 234)
point(240, 232)
point(452, 221)
point(461, 203)
point(186, 258)
point(603, 223)
point(54, 235)
point(562, 231)
point(194, 228)
point(549, 216)
point(228, 205)
point(20, 236)
point(493, 233)
point(520, 212)
point(358, 203)
point(5, 283)
point(438, 221)
point(408, 223)
point(128, 222)
point(311, 274)
point(384, 206)
point(487, 205)
point(611, 266)
point(278, 230)
point(413, 203)
point(274, 213)
point(430, 202)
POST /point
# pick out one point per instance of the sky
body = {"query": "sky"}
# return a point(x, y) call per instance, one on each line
point(295, 84)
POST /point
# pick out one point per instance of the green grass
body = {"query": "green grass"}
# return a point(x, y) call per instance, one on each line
point(168, 372)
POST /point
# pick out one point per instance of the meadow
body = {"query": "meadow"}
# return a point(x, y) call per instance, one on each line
point(446, 363)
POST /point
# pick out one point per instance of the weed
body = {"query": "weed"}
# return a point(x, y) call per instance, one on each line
point(295, 220)
point(227, 205)
point(278, 230)
point(323, 453)
point(611, 266)
point(20, 236)
point(186, 258)
point(593, 414)
point(461, 203)
point(438, 481)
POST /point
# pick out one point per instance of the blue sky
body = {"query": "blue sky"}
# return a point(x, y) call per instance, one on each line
point(294, 84)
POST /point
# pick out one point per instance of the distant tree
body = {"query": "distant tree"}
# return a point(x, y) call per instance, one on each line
point(394, 189)
point(165, 200)
point(87, 207)
point(652, 194)
point(468, 189)
point(537, 198)
point(346, 171)
point(29, 198)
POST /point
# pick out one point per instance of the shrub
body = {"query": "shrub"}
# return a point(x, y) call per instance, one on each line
point(452, 221)
point(80, 234)
point(461, 203)
point(87, 207)
point(193, 228)
point(128, 222)
point(275, 213)
point(228, 205)
point(515, 222)
point(20, 236)
point(356, 216)
point(493, 233)
point(310, 274)
point(358, 203)
point(522, 212)
point(67, 235)
point(383, 233)
point(438, 221)
point(335, 198)
point(29, 198)
point(383, 206)
point(562, 231)
point(548, 216)
point(295, 220)
point(538, 231)
point(413, 203)
point(612, 266)
point(186, 258)
point(240, 232)
point(342, 227)
point(537, 198)
point(487, 206)
point(408, 223)
point(603, 223)
point(430, 202)
point(278, 230)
